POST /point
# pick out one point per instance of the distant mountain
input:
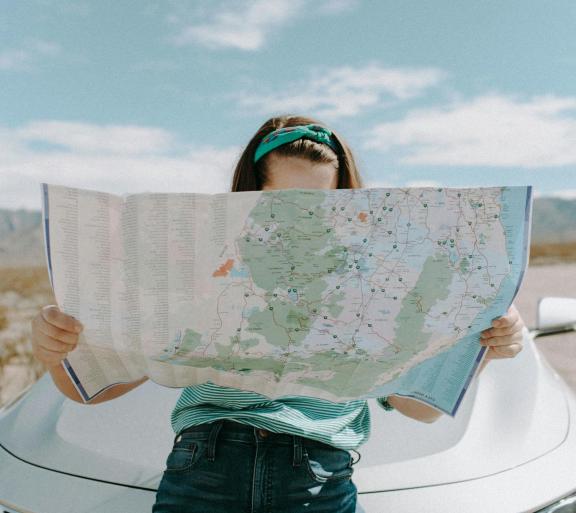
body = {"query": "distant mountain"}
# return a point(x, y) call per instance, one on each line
point(553, 221)
point(22, 241)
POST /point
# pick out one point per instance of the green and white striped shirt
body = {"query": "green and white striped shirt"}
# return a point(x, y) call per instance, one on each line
point(345, 425)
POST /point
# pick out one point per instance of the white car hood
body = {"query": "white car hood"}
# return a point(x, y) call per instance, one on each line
point(516, 411)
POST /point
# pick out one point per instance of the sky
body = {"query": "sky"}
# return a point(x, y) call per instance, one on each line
point(129, 96)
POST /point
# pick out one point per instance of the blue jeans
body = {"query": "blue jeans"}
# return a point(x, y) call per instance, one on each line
point(228, 467)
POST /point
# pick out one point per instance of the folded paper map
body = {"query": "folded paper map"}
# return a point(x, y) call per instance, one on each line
point(339, 294)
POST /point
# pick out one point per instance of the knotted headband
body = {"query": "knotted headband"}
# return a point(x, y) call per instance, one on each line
point(292, 133)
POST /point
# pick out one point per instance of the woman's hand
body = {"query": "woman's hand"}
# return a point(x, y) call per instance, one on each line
point(54, 335)
point(504, 338)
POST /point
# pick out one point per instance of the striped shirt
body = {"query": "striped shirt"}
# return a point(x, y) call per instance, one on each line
point(344, 425)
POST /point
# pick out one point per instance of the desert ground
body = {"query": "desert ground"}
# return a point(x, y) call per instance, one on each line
point(551, 280)
point(24, 291)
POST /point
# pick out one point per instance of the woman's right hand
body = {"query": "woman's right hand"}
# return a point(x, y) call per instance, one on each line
point(54, 335)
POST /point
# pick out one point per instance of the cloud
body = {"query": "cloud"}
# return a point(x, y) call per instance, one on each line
point(242, 25)
point(423, 183)
point(569, 194)
point(136, 159)
point(101, 139)
point(490, 130)
point(28, 56)
point(247, 24)
point(344, 91)
point(373, 184)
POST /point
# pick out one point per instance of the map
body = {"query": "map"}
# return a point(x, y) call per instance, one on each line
point(346, 290)
point(339, 294)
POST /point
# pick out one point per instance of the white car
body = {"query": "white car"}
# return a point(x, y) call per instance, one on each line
point(511, 448)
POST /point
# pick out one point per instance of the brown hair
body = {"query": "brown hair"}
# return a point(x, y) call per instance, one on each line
point(250, 176)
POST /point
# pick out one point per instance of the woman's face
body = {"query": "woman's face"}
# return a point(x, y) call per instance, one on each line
point(296, 172)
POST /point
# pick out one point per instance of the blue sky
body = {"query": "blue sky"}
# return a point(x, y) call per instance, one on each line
point(131, 96)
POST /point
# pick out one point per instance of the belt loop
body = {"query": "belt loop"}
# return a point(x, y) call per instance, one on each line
point(356, 461)
point(297, 451)
point(211, 450)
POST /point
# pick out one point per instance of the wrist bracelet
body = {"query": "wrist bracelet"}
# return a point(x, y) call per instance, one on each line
point(385, 404)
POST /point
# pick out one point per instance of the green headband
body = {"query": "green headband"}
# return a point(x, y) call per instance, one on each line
point(292, 133)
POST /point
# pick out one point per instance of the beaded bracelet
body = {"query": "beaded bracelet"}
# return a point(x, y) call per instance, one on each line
point(385, 404)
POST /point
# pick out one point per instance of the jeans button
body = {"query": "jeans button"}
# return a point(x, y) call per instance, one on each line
point(263, 433)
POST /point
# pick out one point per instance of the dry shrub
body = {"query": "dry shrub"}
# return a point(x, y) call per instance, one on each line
point(553, 253)
point(24, 291)
point(3, 318)
point(26, 281)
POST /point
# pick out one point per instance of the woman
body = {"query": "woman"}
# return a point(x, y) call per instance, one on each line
point(237, 450)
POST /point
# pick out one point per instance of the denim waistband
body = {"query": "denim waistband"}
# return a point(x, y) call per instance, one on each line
point(227, 429)
point(237, 431)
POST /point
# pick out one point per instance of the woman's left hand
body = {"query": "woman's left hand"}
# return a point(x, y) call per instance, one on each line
point(504, 338)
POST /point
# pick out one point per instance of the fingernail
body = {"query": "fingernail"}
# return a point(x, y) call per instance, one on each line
point(78, 328)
